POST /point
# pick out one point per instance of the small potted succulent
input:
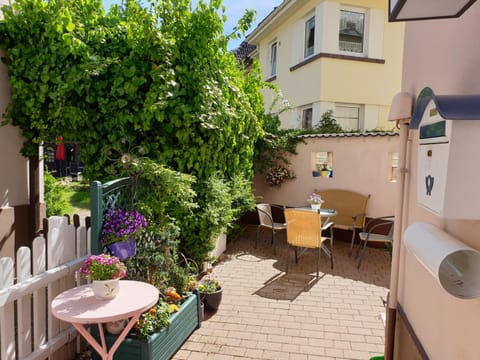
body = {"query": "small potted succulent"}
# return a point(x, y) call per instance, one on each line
point(120, 227)
point(210, 293)
point(104, 271)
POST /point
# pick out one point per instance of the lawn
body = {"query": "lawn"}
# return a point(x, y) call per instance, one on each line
point(78, 196)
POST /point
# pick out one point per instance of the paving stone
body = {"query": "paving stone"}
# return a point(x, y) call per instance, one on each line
point(268, 314)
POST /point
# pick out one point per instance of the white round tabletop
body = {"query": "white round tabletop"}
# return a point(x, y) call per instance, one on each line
point(79, 305)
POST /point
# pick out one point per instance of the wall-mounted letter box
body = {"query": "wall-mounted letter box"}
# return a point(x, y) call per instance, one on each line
point(448, 155)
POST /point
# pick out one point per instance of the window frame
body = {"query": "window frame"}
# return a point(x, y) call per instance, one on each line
point(363, 12)
point(273, 58)
point(309, 50)
point(323, 157)
point(348, 105)
point(304, 111)
point(394, 166)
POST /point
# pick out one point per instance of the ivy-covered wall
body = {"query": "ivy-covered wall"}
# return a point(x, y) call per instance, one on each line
point(152, 80)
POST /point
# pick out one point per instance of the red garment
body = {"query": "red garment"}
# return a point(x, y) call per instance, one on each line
point(60, 152)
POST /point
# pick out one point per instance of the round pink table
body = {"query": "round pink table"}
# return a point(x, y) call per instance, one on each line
point(79, 306)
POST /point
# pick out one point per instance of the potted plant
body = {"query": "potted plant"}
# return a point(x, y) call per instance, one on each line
point(105, 271)
point(324, 171)
point(315, 201)
point(276, 175)
point(120, 228)
point(210, 293)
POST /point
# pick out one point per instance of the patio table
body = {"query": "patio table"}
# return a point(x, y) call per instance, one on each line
point(324, 212)
point(79, 306)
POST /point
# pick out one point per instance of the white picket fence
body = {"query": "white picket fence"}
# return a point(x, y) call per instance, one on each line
point(28, 331)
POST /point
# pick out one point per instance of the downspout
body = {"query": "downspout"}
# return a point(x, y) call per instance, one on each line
point(401, 207)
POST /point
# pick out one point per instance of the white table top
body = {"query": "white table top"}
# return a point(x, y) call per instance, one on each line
point(323, 211)
point(79, 305)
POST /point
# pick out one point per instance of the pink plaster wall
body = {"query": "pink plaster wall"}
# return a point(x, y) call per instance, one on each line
point(360, 164)
point(444, 55)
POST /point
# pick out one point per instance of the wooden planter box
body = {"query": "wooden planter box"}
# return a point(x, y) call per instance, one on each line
point(161, 345)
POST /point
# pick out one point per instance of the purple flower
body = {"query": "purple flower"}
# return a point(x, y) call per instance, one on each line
point(121, 225)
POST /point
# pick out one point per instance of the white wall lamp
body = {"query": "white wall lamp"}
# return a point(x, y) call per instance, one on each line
point(401, 108)
point(406, 10)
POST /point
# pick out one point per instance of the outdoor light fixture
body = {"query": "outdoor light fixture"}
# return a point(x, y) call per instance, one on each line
point(401, 107)
point(406, 10)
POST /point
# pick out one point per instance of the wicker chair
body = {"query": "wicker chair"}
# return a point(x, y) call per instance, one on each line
point(266, 221)
point(304, 231)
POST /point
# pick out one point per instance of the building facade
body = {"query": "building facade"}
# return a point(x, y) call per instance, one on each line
point(330, 55)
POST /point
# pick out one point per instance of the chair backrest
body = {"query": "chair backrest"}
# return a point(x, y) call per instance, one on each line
point(264, 211)
point(303, 228)
point(347, 204)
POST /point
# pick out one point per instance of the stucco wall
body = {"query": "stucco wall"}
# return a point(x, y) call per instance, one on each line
point(13, 174)
point(325, 81)
point(13, 166)
point(360, 164)
point(440, 54)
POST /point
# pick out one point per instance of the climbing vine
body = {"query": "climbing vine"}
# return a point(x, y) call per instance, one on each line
point(156, 76)
point(161, 78)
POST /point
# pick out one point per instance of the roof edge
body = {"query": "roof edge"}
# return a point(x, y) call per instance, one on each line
point(269, 19)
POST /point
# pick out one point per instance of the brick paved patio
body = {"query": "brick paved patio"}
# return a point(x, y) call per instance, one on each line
point(268, 314)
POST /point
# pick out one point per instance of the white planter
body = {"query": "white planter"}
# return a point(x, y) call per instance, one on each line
point(105, 289)
point(220, 247)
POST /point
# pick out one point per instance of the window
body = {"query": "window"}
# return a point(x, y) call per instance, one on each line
point(273, 59)
point(351, 34)
point(324, 160)
point(307, 118)
point(309, 36)
point(348, 116)
point(393, 166)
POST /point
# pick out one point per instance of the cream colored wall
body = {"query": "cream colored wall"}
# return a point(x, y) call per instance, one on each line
point(439, 54)
point(360, 164)
point(13, 166)
point(333, 80)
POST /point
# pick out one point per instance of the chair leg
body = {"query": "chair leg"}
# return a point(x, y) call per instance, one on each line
point(331, 257)
point(352, 243)
point(331, 248)
point(296, 254)
point(258, 235)
point(273, 242)
point(361, 250)
point(318, 260)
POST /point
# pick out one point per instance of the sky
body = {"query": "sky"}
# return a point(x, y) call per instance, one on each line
point(234, 11)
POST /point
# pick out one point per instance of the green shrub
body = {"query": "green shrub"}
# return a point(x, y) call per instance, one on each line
point(328, 124)
point(55, 196)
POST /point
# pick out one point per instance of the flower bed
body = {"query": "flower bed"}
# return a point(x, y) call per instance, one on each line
point(162, 344)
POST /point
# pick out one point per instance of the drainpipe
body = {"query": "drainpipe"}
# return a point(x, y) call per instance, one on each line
point(401, 112)
point(400, 224)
